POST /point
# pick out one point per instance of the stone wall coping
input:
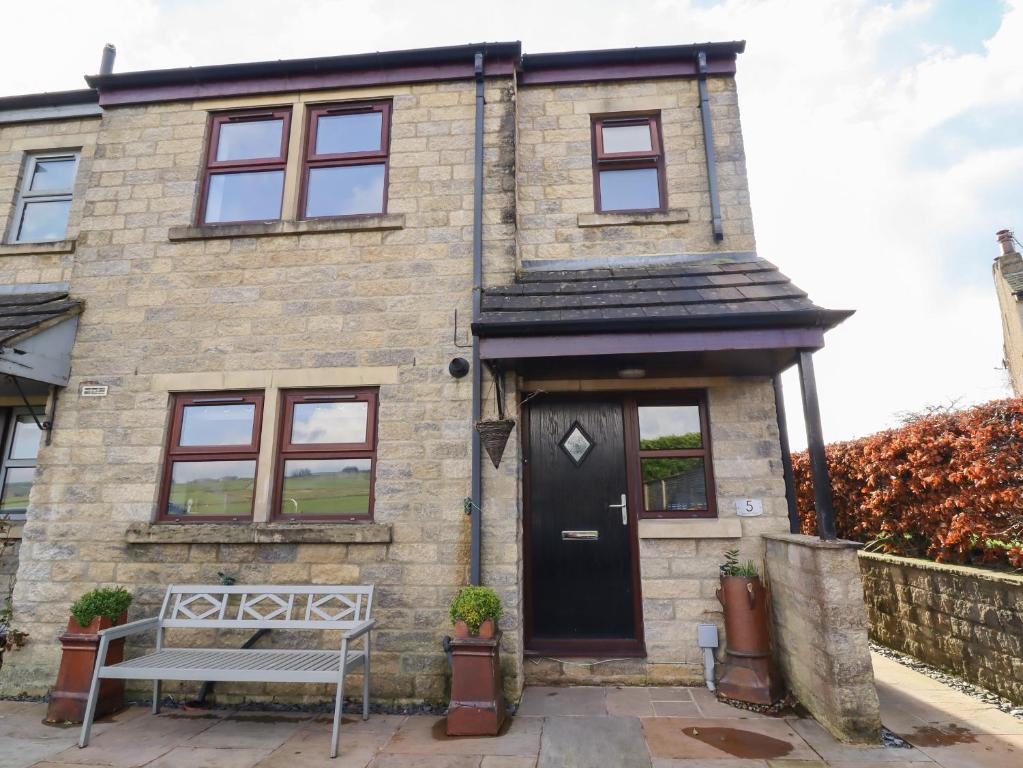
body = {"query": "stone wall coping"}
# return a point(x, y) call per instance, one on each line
point(258, 533)
point(260, 228)
point(721, 528)
point(812, 542)
point(57, 246)
point(671, 216)
point(970, 571)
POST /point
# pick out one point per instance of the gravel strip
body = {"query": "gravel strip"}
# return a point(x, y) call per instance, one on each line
point(971, 690)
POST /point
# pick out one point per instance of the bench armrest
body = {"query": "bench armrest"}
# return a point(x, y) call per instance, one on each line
point(360, 630)
point(131, 628)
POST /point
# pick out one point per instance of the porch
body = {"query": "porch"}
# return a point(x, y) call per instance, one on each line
point(594, 726)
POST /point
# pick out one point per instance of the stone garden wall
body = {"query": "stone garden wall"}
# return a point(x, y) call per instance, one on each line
point(968, 621)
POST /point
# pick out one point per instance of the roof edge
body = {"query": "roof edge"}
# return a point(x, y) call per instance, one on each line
point(637, 55)
point(49, 99)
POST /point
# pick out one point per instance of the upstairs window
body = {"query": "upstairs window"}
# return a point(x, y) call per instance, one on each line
point(327, 454)
point(628, 164)
point(210, 470)
point(18, 467)
point(245, 164)
point(345, 171)
point(44, 201)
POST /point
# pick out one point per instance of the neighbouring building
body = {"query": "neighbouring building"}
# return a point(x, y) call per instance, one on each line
point(278, 271)
point(1008, 274)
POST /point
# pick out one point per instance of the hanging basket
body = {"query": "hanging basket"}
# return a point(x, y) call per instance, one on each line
point(494, 435)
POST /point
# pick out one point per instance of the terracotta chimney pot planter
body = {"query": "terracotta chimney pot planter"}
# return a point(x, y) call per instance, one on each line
point(477, 695)
point(79, 646)
point(748, 672)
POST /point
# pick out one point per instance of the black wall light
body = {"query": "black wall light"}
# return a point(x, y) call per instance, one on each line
point(458, 367)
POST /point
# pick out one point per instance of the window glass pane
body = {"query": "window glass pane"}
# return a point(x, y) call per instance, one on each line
point(326, 487)
point(673, 485)
point(336, 134)
point(345, 190)
point(631, 189)
point(211, 488)
point(17, 484)
point(669, 426)
point(25, 442)
point(250, 140)
point(50, 175)
point(252, 196)
point(44, 221)
point(217, 424)
point(627, 138)
point(329, 422)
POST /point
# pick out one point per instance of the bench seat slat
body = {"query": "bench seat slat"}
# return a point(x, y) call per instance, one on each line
point(234, 665)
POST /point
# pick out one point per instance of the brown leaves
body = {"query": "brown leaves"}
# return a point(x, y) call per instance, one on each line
point(948, 485)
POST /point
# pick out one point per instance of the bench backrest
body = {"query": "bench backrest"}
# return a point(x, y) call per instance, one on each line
point(207, 606)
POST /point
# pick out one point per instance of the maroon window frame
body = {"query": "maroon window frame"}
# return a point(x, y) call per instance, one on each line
point(215, 167)
point(288, 450)
point(178, 453)
point(634, 454)
point(378, 157)
point(622, 161)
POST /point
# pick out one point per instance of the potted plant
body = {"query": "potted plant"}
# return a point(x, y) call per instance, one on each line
point(92, 612)
point(477, 696)
point(748, 673)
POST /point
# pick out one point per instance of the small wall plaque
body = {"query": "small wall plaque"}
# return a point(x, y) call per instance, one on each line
point(94, 390)
point(749, 507)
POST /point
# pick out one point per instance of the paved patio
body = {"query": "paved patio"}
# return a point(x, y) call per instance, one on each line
point(555, 727)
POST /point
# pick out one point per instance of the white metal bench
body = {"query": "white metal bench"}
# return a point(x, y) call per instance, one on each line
point(192, 606)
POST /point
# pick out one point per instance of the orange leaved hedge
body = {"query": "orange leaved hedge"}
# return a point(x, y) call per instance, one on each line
point(948, 485)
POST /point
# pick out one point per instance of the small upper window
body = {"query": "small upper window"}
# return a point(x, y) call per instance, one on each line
point(210, 467)
point(345, 170)
point(628, 164)
point(44, 202)
point(18, 467)
point(327, 455)
point(245, 167)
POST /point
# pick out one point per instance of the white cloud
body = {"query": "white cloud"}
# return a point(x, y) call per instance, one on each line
point(838, 102)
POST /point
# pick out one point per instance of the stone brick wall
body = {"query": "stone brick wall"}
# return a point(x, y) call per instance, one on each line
point(968, 621)
point(820, 632)
point(555, 171)
point(352, 304)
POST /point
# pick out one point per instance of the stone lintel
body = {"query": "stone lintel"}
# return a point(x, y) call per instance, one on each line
point(261, 228)
point(258, 533)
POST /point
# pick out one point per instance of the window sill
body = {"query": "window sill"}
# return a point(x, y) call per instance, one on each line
point(671, 216)
point(258, 533)
point(15, 531)
point(694, 528)
point(56, 246)
point(262, 228)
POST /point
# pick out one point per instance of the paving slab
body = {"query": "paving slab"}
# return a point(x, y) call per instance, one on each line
point(520, 737)
point(707, 738)
point(829, 748)
point(208, 757)
point(980, 752)
point(676, 709)
point(629, 702)
point(502, 761)
point(709, 706)
point(426, 761)
point(310, 746)
point(734, 762)
point(670, 693)
point(574, 701)
point(249, 730)
point(587, 742)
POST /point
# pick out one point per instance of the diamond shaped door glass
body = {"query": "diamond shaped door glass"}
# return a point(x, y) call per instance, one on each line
point(577, 444)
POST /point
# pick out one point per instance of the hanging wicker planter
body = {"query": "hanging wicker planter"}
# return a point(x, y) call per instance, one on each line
point(494, 435)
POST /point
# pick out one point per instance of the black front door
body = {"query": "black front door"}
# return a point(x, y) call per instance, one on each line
point(582, 593)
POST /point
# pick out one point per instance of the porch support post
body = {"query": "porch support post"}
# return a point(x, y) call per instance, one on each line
point(815, 446)
point(786, 455)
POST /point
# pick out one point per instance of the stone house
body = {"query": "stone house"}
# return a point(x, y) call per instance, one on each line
point(1007, 271)
point(287, 291)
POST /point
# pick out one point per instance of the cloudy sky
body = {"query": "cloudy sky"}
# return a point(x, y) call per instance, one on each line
point(883, 141)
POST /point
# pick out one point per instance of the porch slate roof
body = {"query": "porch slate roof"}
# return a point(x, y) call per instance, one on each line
point(24, 314)
point(712, 293)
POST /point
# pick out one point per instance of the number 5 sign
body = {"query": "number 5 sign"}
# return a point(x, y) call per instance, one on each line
point(749, 507)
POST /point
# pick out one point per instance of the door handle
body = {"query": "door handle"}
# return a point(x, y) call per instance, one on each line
point(624, 507)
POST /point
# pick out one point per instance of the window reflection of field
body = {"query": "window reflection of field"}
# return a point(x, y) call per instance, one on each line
point(230, 496)
point(344, 492)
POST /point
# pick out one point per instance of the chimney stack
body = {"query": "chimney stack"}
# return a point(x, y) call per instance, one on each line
point(106, 64)
point(1005, 239)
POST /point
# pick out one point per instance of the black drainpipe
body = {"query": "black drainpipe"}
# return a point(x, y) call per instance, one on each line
point(708, 145)
point(476, 495)
point(786, 455)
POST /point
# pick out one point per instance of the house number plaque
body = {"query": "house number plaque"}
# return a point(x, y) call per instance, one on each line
point(749, 507)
